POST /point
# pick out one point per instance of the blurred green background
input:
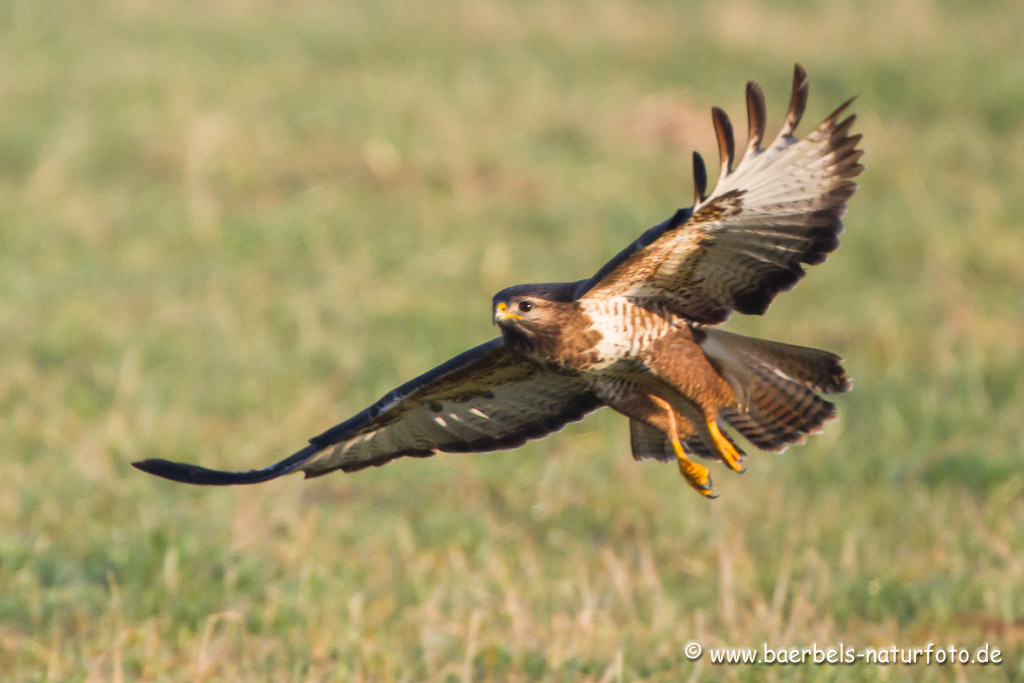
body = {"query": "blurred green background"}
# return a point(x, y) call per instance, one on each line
point(226, 226)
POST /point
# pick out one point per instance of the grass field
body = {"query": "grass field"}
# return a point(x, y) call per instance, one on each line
point(226, 226)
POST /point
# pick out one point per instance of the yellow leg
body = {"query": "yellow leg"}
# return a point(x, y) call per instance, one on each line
point(725, 449)
point(695, 474)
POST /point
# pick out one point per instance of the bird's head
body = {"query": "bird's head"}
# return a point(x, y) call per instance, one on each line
point(518, 311)
point(526, 312)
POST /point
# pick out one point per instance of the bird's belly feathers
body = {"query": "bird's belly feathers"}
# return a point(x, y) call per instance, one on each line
point(626, 331)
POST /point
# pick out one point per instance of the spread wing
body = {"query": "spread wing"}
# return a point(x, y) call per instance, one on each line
point(485, 399)
point(738, 247)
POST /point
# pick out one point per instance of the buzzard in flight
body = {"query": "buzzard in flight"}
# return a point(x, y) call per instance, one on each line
point(638, 336)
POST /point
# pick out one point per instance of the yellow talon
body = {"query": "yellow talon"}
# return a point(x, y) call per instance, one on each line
point(696, 475)
point(725, 448)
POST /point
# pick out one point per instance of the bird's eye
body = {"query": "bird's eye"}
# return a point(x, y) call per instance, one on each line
point(525, 306)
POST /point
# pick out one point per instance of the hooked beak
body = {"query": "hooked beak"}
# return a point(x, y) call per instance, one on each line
point(502, 314)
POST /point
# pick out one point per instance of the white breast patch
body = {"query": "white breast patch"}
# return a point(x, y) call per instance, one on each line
point(625, 328)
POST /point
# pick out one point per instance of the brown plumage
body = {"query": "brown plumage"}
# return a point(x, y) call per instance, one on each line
point(636, 336)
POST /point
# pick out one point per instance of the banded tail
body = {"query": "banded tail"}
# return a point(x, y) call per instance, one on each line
point(776, 386)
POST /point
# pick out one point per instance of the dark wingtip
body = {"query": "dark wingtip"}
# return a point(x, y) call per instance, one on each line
point(700, 179)
point(726, 142)
point(202, 476)
point(797, 101)
point(756, 116)
point(185, 473)
point(834, 116)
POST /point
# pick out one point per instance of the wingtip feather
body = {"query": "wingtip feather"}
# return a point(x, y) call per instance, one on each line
point(700, 179)
point(834, 116)
point(726, 141)
point(797, 101)
point(202, 476)
point(757, 112)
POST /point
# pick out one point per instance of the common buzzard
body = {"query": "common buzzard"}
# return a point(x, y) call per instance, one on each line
point(638, 336)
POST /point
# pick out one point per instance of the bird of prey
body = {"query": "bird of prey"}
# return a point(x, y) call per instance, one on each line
point(639, 335)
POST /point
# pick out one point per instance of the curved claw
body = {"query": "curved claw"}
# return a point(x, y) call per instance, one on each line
point(707, 489)
point(695, 474)
point(726, 450)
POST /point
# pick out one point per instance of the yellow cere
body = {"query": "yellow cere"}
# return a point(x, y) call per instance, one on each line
point(503, 309)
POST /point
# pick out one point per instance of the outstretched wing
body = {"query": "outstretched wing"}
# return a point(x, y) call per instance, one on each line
point(744, 243)
point(485, 399)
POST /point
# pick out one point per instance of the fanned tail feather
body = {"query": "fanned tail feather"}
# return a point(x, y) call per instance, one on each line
point(776, 386)
point(779, 412)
